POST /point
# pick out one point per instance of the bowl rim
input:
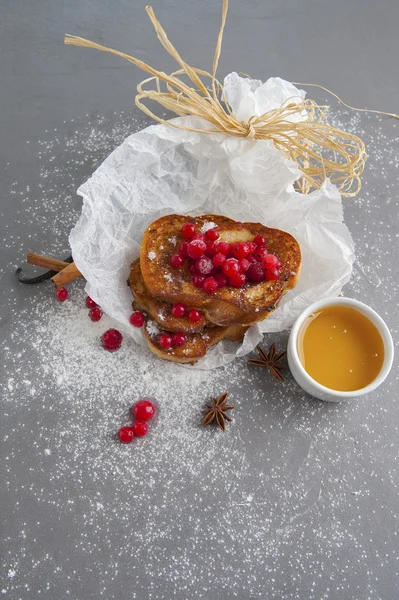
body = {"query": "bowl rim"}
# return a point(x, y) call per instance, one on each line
point(368, 312)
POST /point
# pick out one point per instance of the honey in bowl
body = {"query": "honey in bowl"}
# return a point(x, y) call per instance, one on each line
point(340, 348)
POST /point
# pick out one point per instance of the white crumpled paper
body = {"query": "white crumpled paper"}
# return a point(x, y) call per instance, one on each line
point(163, 170)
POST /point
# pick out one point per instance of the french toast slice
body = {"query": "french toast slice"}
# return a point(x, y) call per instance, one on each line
point(197, 343)
point(158, 310)
point(228, 305)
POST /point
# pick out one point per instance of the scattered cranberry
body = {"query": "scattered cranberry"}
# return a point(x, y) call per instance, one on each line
point(256, 272)
point(231, 267)
point(179, 310)
point(191, 267)
point(204, 265)
point(221, 280)
point(222, 247)
point(90, 303)
point(260, 241)
point(183, 249)
point(210, 285)
point(137, 319)
point(126, 435)
point(143, 410)
point(196, 248)
point(95, 314)
point(198, 280)
point(140, 428)
point(219, 259)
point(212, 235)
point(253, 247)
point(271, 274)
point(179, 339)
point(241, 250)
point(188, 230)
point(195, 315)
point(62, 294)
point(260, 254)
point(270, 261)
point(177, 261)
point(238, 280)
point(244, 264)
point(165, 340)
point(112, 340)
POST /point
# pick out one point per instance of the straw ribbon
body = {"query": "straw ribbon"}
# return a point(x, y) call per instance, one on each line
point(299, 128)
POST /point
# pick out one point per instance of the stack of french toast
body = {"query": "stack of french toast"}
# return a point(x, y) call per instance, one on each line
point(200, 280)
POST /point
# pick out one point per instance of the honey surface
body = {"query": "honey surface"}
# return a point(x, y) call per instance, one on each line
point(340, 348)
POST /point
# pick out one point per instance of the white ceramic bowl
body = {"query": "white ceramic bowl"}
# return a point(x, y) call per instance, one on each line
point(314, 388)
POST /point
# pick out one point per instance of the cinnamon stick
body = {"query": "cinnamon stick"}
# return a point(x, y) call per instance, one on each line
point(65, 276)
point(46, 262)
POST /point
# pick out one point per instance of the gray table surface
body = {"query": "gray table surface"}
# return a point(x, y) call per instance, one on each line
point(299, 499)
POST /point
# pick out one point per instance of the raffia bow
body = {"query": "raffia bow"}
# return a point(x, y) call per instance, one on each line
point(299, 128)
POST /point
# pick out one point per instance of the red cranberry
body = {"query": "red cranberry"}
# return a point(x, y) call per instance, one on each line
point(198, 280)
point(177, 261)
point(241, 250)
point(212, 235)
point(259, 241)
point(271, 274)
point(270, 261)
point(90, 303)
point(219, 259)
point(191, 267)
point(143, 410)
point(251, 259)
point(126, 435)
point(210, 249)
point(244, 264)
point(237, 280)
point(222, 247)
point(183, 249)
point(137, 319)
point(140, 428)
point(221, 280)
point(165, 341)
point(256, 272)
point(210, 285)
point(196, 249)
point(195, 315)
point(179, 339)
point(188, 230)
point(260, 253)
point(62, 294)
point(204, 265)
point(231, 267)
point(178, 310)
point(112, 340)
point(199, 236)
point(95, 314)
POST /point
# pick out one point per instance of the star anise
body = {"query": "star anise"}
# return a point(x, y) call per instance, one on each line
point(215, 412)
point(270, 360)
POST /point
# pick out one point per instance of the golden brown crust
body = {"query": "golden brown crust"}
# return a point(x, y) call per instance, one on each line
point(158, 310)
point(228, 306)
point(197, 343)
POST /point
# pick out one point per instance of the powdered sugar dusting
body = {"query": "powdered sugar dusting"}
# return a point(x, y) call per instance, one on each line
point(207, 226)
point(152, 255)
point(152, 328)
point(295, 491)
